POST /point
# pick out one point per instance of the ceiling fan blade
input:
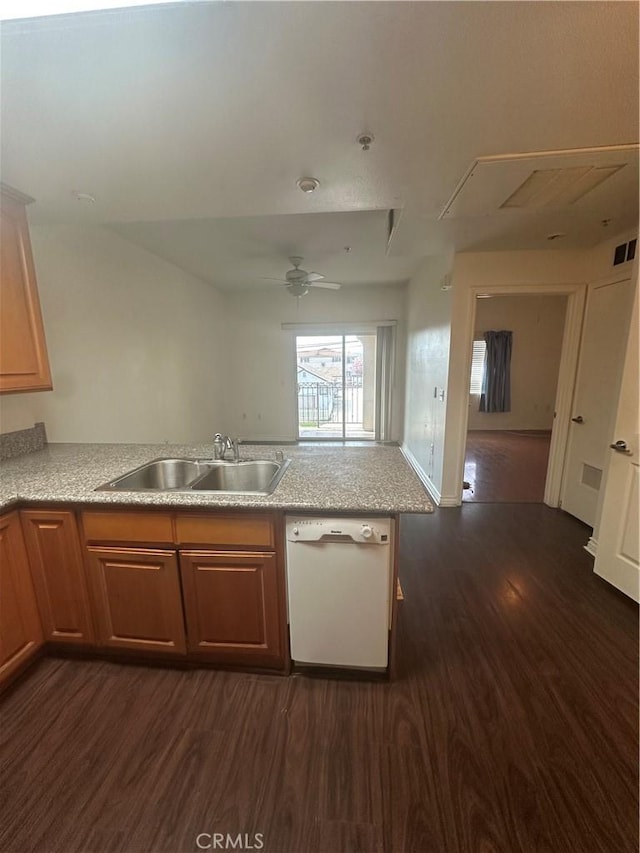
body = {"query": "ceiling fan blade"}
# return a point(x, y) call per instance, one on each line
point(314, 276)
point(328, 285)
point(267, 278)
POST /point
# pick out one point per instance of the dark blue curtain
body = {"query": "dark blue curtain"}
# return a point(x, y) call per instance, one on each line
point(496, 382)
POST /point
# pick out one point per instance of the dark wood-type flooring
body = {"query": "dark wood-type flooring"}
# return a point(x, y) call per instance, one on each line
point(512, 725)
point(506, 467)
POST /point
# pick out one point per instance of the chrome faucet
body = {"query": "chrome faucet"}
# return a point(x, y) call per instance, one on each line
point(222, 443)
point(219, 445)
point(232, 444)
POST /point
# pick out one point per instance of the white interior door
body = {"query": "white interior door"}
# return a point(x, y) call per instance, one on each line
point(618, 557)
point(596, 396)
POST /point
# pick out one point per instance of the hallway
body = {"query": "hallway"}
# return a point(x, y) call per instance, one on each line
point(503, 466)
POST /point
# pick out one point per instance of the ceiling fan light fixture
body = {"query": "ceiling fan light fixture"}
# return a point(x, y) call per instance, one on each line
point(297, 289)
point(308, 185)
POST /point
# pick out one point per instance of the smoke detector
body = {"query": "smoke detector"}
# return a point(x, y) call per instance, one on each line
point(365, 140)
point(308, 185)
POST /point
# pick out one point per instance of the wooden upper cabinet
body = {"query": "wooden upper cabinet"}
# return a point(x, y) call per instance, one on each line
point(24, 364)
point(20, 631)
point(58, 574)
point(136, 599)
point(232, 607)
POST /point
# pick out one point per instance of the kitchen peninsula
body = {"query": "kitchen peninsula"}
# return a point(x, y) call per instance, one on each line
point(172, 575)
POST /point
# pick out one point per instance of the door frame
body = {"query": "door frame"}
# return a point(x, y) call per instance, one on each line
point(576, 298)
point(622, 274)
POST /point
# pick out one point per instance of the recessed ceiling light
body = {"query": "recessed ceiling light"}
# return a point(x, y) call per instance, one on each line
point(308, 185)
point(86, 197)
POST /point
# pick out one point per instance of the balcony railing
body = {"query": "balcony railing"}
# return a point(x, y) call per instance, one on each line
point(320, 403)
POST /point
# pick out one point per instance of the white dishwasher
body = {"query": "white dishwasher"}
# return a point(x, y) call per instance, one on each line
point(339, 576)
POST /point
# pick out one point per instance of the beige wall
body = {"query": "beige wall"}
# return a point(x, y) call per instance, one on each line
point(143, 352)
point(428, 333)
point(537, 323)
point(259, 370)
point(136, 345)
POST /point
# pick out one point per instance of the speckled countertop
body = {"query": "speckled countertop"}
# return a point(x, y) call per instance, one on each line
point(343, 479)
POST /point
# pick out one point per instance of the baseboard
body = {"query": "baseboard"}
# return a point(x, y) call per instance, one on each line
point(439, 500)
point(449, 501)
point(592, 546)
point(422, 476)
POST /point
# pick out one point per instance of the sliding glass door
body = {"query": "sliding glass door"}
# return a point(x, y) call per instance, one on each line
point(336, 386)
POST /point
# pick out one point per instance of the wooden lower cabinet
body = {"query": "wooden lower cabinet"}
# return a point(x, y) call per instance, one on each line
point(136, 599)
point(57, 568)
point(20, 630)
point(232, 608)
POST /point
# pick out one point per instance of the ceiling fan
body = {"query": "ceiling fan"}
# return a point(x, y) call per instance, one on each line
point(299, 281)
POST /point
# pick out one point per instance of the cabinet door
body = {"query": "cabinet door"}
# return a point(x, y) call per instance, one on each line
point(24, 365)
point(136, 599)
point(20, 632)
point(58, 573)
point(232, 607)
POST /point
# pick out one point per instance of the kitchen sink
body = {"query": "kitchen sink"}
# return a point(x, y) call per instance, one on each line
point(257, 476)
point(253, 476)
point(159, 475)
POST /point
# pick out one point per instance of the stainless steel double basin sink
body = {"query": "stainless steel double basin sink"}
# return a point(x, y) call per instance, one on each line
point(255, 477)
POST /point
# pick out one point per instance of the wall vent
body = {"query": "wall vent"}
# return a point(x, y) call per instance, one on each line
point(591, 476)
point(624, 252)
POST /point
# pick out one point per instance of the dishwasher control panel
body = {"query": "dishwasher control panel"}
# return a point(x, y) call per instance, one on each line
point(367, 531)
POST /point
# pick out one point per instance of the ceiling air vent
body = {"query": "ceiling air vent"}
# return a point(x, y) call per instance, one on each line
point(558, 187)
point(590, 181)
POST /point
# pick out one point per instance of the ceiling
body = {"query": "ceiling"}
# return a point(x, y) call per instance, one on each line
point(191, 123)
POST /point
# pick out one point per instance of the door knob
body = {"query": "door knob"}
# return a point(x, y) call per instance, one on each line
point(578, 420)
point(620, 447)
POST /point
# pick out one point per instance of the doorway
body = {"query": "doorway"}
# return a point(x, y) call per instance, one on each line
point(336, 386)
point(507, 452)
